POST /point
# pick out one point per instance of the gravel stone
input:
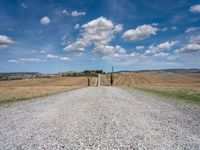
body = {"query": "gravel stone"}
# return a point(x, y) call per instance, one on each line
point(100, 118)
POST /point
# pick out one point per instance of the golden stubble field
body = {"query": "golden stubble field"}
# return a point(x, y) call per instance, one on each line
point(30, 88)
point(189, 82)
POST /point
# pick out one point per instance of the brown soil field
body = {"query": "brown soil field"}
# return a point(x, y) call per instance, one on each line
point(171, 81)
point(30, 88)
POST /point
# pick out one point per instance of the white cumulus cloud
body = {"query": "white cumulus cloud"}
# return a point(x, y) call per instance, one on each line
point(51, 56)
point(162, 54)
point(120, 49)
point(193, 45)
point(195, 39)
point(24, 5)
point(76, 13)
point(64, 58)
point(98, 33)
point(191, 29)
point(5, 41)
point(121, 57)
point(32, 60)
point(45, 20)
point(139, 47)
point(167, 45)
point(140, 33)
point(189, 48)
point(100, 30)
point(13, 61)
point(65, 12)
point(105, 49)
point(195, 8)
point(174, 28)
point(164, 29)
point(78, 46)
point(39, 51)
point(109, 50)
point(156, 49)
point(77, 26)
point(118, 28)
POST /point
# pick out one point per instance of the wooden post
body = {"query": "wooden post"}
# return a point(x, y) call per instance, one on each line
point(88, 81)
point(99, 80)
point(111, 78)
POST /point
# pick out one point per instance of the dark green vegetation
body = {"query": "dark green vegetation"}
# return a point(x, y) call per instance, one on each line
point(90, 73)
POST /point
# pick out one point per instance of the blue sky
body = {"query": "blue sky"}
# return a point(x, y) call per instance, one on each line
point(63, 35)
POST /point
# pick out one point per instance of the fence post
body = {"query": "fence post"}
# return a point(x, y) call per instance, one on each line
point(99, 80)
point(111, 77)
point(88, 81)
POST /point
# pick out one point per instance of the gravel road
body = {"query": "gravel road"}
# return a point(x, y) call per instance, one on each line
point(100, 118)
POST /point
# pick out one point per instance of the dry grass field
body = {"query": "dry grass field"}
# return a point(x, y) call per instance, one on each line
point(177, 85)
point(30, 88)
point(183, 81)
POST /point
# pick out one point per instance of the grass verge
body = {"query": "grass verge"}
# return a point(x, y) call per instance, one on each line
point(186, 96)
point(24, 93)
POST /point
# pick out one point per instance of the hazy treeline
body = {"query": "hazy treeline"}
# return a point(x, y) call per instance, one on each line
point(33, 75)
point(91, 73)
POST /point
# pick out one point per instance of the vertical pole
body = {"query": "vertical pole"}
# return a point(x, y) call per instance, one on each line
point(99, 80)
point(88, 81)
point(111, 77)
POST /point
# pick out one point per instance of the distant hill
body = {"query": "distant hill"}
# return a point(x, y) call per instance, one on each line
point(18, 75)
point(30, 75)
point(164, 70)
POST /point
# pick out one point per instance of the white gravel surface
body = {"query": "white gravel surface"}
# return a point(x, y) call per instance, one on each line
point(100, 118)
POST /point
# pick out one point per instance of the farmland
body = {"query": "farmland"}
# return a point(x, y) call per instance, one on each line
point(187, 81)
point(154, 82)
point(175, 85)
point(30, 88)
point(104, 116)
